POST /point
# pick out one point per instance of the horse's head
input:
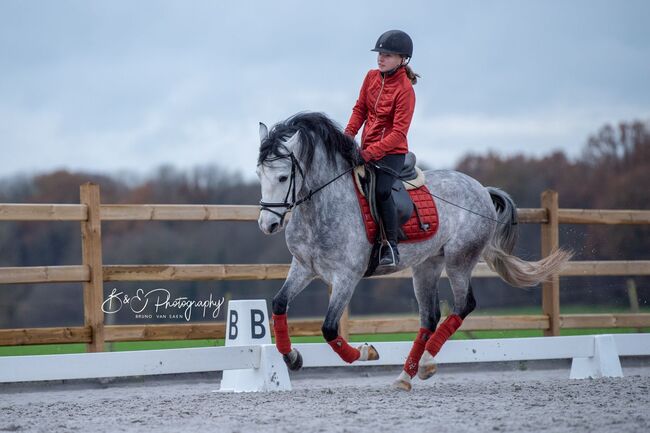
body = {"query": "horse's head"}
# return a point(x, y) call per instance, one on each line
point(306, 144)
point(281, 179)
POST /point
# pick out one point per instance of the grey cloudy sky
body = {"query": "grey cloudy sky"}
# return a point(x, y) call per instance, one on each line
point(114, 85)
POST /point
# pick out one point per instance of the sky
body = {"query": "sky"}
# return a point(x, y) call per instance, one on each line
point(115, 86)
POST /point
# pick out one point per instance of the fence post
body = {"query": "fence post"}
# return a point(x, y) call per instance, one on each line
point(344, 325)
point(91, 251)
point(550, 242)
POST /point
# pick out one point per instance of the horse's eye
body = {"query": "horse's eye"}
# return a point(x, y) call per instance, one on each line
point(283, 179)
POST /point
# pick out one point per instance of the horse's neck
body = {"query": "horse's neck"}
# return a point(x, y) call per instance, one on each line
point(323, 226)
point(321, 172)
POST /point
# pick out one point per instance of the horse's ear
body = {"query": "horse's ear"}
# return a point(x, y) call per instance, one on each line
point(291, 142)
point(264, 132)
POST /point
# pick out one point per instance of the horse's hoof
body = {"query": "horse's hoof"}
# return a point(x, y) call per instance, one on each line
point(402, 385)
point(293, 360)
point(403, 382)
point(368, 353)
point(425, 371)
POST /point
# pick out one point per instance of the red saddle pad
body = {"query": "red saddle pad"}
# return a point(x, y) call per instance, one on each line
point(426, 207)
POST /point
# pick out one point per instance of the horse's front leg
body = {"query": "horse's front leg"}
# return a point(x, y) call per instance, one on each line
point(342, 290)
point(299, 277)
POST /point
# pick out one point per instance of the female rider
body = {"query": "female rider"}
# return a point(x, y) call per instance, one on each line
point(386, 103)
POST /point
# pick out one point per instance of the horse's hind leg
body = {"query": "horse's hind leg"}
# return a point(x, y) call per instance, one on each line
point(464, 303)
point(296, 281)
point(342, 290)
point(425, 284)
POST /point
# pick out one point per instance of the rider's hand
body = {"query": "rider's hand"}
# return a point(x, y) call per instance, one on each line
point(366, 156)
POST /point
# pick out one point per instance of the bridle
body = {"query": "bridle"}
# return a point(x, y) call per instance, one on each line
point(286, 204)
point(291, 191)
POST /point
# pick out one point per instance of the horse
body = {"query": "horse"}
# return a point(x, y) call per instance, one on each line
point(307, 190)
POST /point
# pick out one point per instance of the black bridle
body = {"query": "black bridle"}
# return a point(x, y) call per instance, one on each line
point(289, 205)
point(286, 204)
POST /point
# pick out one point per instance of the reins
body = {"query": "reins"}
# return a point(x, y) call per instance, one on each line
point(295, 164)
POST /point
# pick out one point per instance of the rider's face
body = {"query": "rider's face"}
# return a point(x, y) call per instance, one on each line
point(387, 62)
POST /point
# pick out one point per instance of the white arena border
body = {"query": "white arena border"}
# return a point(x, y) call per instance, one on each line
point(592, 355)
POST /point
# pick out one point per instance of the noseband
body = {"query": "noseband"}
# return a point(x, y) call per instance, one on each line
point(289, 205)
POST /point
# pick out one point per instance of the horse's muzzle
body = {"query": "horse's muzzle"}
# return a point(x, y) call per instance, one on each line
point(270, 227)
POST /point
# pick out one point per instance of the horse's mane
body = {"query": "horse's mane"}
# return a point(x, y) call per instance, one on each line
point(313, 128)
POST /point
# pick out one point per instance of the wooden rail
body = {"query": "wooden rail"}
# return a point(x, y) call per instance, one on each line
point(194, 212)
point(43, 212)
point(597, 216)
point(312, 327)
point(92, 273)
point(170, 272)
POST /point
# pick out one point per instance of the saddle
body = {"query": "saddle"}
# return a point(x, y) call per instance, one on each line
point(411, 177)
point(416, 211)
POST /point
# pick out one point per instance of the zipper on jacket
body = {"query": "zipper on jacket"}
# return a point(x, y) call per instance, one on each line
point(379, 95)
point(382, 133)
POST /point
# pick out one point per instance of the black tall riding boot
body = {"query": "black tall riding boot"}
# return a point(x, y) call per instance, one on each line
point(387, 167)
point(389, 255)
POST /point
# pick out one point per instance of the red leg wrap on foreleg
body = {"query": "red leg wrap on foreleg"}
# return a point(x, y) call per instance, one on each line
point(347, 353)
point(411, 364)
point(281, 329)
point(442, 334)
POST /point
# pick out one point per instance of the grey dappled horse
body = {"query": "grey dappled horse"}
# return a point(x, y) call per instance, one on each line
point(303, 166)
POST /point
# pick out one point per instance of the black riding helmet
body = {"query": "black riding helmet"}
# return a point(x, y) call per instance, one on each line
point(395, 42)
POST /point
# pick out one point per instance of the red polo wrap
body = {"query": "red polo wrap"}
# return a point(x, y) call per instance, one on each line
point(347, 353)
point(411, 364)
point(281, 329)
point(442, 334)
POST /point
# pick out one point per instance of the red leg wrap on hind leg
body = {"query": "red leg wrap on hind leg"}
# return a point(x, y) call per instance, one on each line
point(442, 334)
point(281, 329)
point(411, 364)
point(347, 353)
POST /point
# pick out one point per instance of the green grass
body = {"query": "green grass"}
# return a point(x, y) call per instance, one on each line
point(569, 309)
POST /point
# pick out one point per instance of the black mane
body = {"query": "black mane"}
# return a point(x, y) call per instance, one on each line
point(312, 126)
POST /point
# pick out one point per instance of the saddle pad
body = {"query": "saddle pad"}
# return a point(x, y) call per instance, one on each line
point(425, 205)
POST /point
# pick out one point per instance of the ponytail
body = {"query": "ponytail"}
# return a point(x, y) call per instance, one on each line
point(411, 75)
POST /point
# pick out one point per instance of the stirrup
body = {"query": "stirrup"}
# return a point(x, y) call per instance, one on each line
point(392, 256)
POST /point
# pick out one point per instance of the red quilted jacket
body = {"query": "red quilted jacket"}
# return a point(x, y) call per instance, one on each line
point(386, 105)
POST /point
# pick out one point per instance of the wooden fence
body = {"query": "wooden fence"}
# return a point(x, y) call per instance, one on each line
point(92, 273)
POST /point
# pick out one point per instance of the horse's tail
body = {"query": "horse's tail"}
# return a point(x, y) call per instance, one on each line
point(497, 253)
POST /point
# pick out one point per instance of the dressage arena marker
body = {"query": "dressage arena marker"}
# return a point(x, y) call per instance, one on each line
point(250, 363)
point(248, 326)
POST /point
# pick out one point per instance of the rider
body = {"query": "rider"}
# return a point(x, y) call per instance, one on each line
point(386, 103)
